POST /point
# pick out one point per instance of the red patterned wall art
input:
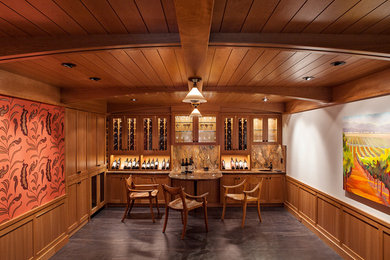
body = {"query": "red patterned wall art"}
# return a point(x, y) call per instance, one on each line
point(31, 155)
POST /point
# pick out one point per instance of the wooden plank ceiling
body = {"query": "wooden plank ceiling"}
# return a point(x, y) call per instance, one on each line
point(151, 74)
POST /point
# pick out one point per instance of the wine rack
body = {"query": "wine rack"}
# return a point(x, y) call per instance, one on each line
point(163, 134)
point(228, 130)
point(235, 134)
point(148, 134)
point(131, 134)
point(117, 134)
point(242, 134)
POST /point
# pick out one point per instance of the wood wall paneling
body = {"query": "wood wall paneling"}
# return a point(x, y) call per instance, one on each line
point(385, 246)
point(81, 141)
point(101, 140)
point(70, 142)
point(17, 243)
point(308, 204)
point(329, 217)
point(292, 196)
point(92, 141)
point(72, 207)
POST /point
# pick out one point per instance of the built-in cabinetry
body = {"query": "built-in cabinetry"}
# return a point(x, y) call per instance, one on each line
point(272, 191)
point(98, 190)
point(266, 129)
point(195, 130)
point(236, 132)
point(155, 133)
point(85, 153)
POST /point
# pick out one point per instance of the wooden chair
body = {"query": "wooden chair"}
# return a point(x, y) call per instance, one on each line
point(243, 197)
point(183, 203)
point(140, 191)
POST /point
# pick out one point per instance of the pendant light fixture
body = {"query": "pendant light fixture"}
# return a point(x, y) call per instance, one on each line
point(194, 96)
point(195, 112)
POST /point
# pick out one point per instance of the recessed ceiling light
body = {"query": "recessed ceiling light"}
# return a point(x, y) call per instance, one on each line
point(68, 65)
point(133, 99)
point(308, 78)
point(338, 63)
point(95, 78)
point(265, 99)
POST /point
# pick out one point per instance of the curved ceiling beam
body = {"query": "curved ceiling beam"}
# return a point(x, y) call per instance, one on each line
point(369, 46)
point(22, 48)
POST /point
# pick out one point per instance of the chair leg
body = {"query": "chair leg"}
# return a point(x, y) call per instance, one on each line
point(158, 210)
point(124, 215)
point(258, 210)
point(166, 218)
point(224, 208)
point(131, 207)
point(243, 213)
point(151, 208)
point(205, 217)
point(184, 224)
point(182, 220)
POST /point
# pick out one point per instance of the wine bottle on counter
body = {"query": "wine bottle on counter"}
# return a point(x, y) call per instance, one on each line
point(137, 164)
point(163, 164)
point(191, 165)
point(240, 164)
point(182, 168)
point(148, 164)
point(245, 165)
point(144, 165)
point(236, 164)
point(186, 165)
point(152, 164)
point(118, 164)
point(167, 165)
point(232, 165)
point(114, 163)
point(125, 163)
point(156, 164)
point(223, 164)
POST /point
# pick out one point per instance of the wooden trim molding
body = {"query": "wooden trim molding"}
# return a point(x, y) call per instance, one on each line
point(351, 232)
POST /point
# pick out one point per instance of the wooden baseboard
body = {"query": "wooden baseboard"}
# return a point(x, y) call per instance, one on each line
point(54, 247)
point(351, 232)
point(82, 224)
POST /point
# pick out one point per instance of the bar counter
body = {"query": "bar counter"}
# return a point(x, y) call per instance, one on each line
point(208, 174)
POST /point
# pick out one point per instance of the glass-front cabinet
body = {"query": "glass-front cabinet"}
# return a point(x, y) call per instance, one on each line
point(266, 129)
point(123, 135)
point(235, 134)
point(195, 129)
point(155, 134)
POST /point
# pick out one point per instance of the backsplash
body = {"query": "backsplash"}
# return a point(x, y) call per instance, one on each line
point(203, 156)
point(262, 155)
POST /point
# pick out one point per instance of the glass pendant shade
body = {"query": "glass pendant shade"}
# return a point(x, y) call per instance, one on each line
point(194, 96)
point(195, 112)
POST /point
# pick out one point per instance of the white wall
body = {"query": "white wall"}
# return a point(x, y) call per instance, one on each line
point(314, 147)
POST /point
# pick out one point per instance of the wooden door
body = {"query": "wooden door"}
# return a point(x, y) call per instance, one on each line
point(116, 192)
point(73, 220)
point(275, 189)
point(83, 194)
point(70, 142)
point(81, 141)
point(102, 189)
point(91, 141)
point(100, 140)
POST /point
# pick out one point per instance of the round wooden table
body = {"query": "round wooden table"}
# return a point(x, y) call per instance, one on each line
point(196, 176)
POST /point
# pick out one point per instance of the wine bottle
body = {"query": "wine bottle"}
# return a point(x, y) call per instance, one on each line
point(186, 165)
point(144, 165)
point(167, 165)
point(223, 164)
point(148, 164)
point(232, 165)
point(245, 145)
point(236, 164)
point(163, 164)
point(240, 134)
point(245, 165)
point(114, 163)
point(182, 166)
point(137, 164)
point(119, 163)
point(156, 164)
point(191, 165)
point(240, 164)
point(152, 164)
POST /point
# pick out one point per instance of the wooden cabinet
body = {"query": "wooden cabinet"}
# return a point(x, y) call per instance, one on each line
point(96, 139)
point(98, 191)
point(70, 142)
point(236, 132)
point(78, 203)
point(155, 135)
point(272, 191)
point(81, 142)
point(195, 130)
point(124, 134)
point(266, 129)
point(116, 189)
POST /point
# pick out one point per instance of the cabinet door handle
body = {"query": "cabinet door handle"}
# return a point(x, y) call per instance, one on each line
point(79, 182)
point(98, 165)
point(78, 172)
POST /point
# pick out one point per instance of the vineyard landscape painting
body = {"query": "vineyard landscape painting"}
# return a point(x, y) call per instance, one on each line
point(366, 156)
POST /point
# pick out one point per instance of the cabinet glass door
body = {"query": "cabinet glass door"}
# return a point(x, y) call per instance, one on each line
point(148, 134)
point(258, 135)
point(228, 132)
point(162, 125)
point(117, 134)
point(183, 129)
point(242, 134)
point(272, 130)
point(207, 129)
point(131, 134)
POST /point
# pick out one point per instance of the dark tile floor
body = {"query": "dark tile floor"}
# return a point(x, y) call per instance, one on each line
point(279, 236)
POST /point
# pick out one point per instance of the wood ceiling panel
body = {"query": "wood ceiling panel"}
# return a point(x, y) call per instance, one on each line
point(235, 15)
point(79, 13)
point(128, 13)
point(218, 12)
point(356, 13)
point(309, 11)
point(154, 58)
point(182, 66)
point(20, 22)
point(369, 20)
point(282, 15)
point(153, 14)
point(219, 62)
point(11, 30)
point(168, 57)
point(103, 11)
point(29, 12)
point(232, 64)
point(58, 16)
point(258, 15)
point(170, 15)
point(209, 62)
point(382, 26)
point(329, 15)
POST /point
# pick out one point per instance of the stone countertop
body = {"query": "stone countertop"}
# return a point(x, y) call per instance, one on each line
point(253, 171)
point(154, 172)
point(198, 175)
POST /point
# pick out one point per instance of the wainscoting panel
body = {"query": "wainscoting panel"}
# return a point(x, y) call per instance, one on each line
point(353, 233)
point(17, 241)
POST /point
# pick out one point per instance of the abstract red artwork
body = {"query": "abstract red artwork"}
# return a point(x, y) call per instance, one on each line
point(31, 155)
